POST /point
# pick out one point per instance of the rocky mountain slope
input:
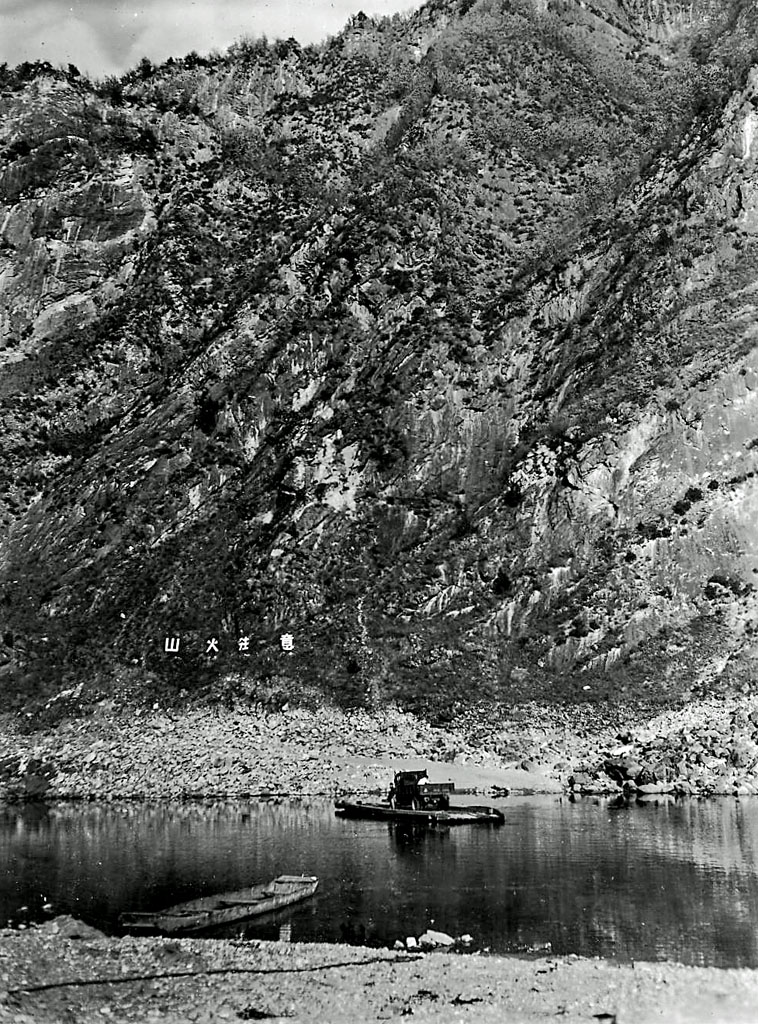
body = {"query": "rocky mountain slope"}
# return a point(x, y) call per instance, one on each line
point(432, 346)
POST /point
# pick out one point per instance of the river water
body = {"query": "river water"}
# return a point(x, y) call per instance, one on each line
point(653, 881)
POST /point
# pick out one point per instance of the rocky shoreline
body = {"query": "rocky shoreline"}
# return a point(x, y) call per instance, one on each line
point(65, 971)
point(705, 748)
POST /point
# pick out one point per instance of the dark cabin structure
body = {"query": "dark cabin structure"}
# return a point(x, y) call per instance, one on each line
point(411, 791)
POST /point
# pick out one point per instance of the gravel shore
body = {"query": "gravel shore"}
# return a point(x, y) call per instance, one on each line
point(49, 977)
point(156, 754)
point(701, 749)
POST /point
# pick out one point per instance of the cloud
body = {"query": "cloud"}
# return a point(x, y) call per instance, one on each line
point(108, 36)
point(94, 35)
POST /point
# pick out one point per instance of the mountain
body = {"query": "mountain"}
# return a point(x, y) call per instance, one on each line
point(431, 346)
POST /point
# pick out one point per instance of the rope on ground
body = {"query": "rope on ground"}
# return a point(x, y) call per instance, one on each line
point(81, 982)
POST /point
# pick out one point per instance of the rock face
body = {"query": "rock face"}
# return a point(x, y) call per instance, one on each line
point(432, 347)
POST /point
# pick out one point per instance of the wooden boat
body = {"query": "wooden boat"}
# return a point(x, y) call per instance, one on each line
point(209, 911)
point(413, 798)
point(471, 815)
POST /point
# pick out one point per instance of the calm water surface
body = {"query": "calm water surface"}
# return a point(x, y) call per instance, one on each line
point(655, 881)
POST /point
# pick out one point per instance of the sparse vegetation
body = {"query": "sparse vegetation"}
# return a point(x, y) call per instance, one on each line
point(306, 333)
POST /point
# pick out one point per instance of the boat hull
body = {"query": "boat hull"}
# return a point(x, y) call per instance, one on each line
point(212, 911)
point(455, 816)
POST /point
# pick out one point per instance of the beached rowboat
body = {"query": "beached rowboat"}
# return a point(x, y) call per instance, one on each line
point(209, 911)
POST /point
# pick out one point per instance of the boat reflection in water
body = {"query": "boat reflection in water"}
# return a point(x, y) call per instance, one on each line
point(407, 838)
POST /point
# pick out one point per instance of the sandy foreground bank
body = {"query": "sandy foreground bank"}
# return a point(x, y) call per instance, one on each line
point(208, 981)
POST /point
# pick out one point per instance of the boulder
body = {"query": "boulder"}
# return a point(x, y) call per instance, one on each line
point(434, 940)
point(723, 786)
point(743, 753)
point(67, 927)
point(663, 771)
point(35, 786)
point(599, 788)
point(620, 769)
point(9, 767)
point(579, 780)
point(646, 777)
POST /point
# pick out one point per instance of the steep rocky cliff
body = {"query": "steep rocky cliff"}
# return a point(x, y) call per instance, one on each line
point(432, 346)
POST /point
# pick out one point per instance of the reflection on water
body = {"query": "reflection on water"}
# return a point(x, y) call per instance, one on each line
point(653, 881)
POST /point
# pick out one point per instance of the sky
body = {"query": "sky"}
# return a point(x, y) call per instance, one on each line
point(105, 37)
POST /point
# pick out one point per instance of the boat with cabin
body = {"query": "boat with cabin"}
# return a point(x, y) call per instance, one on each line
point(413, 798)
